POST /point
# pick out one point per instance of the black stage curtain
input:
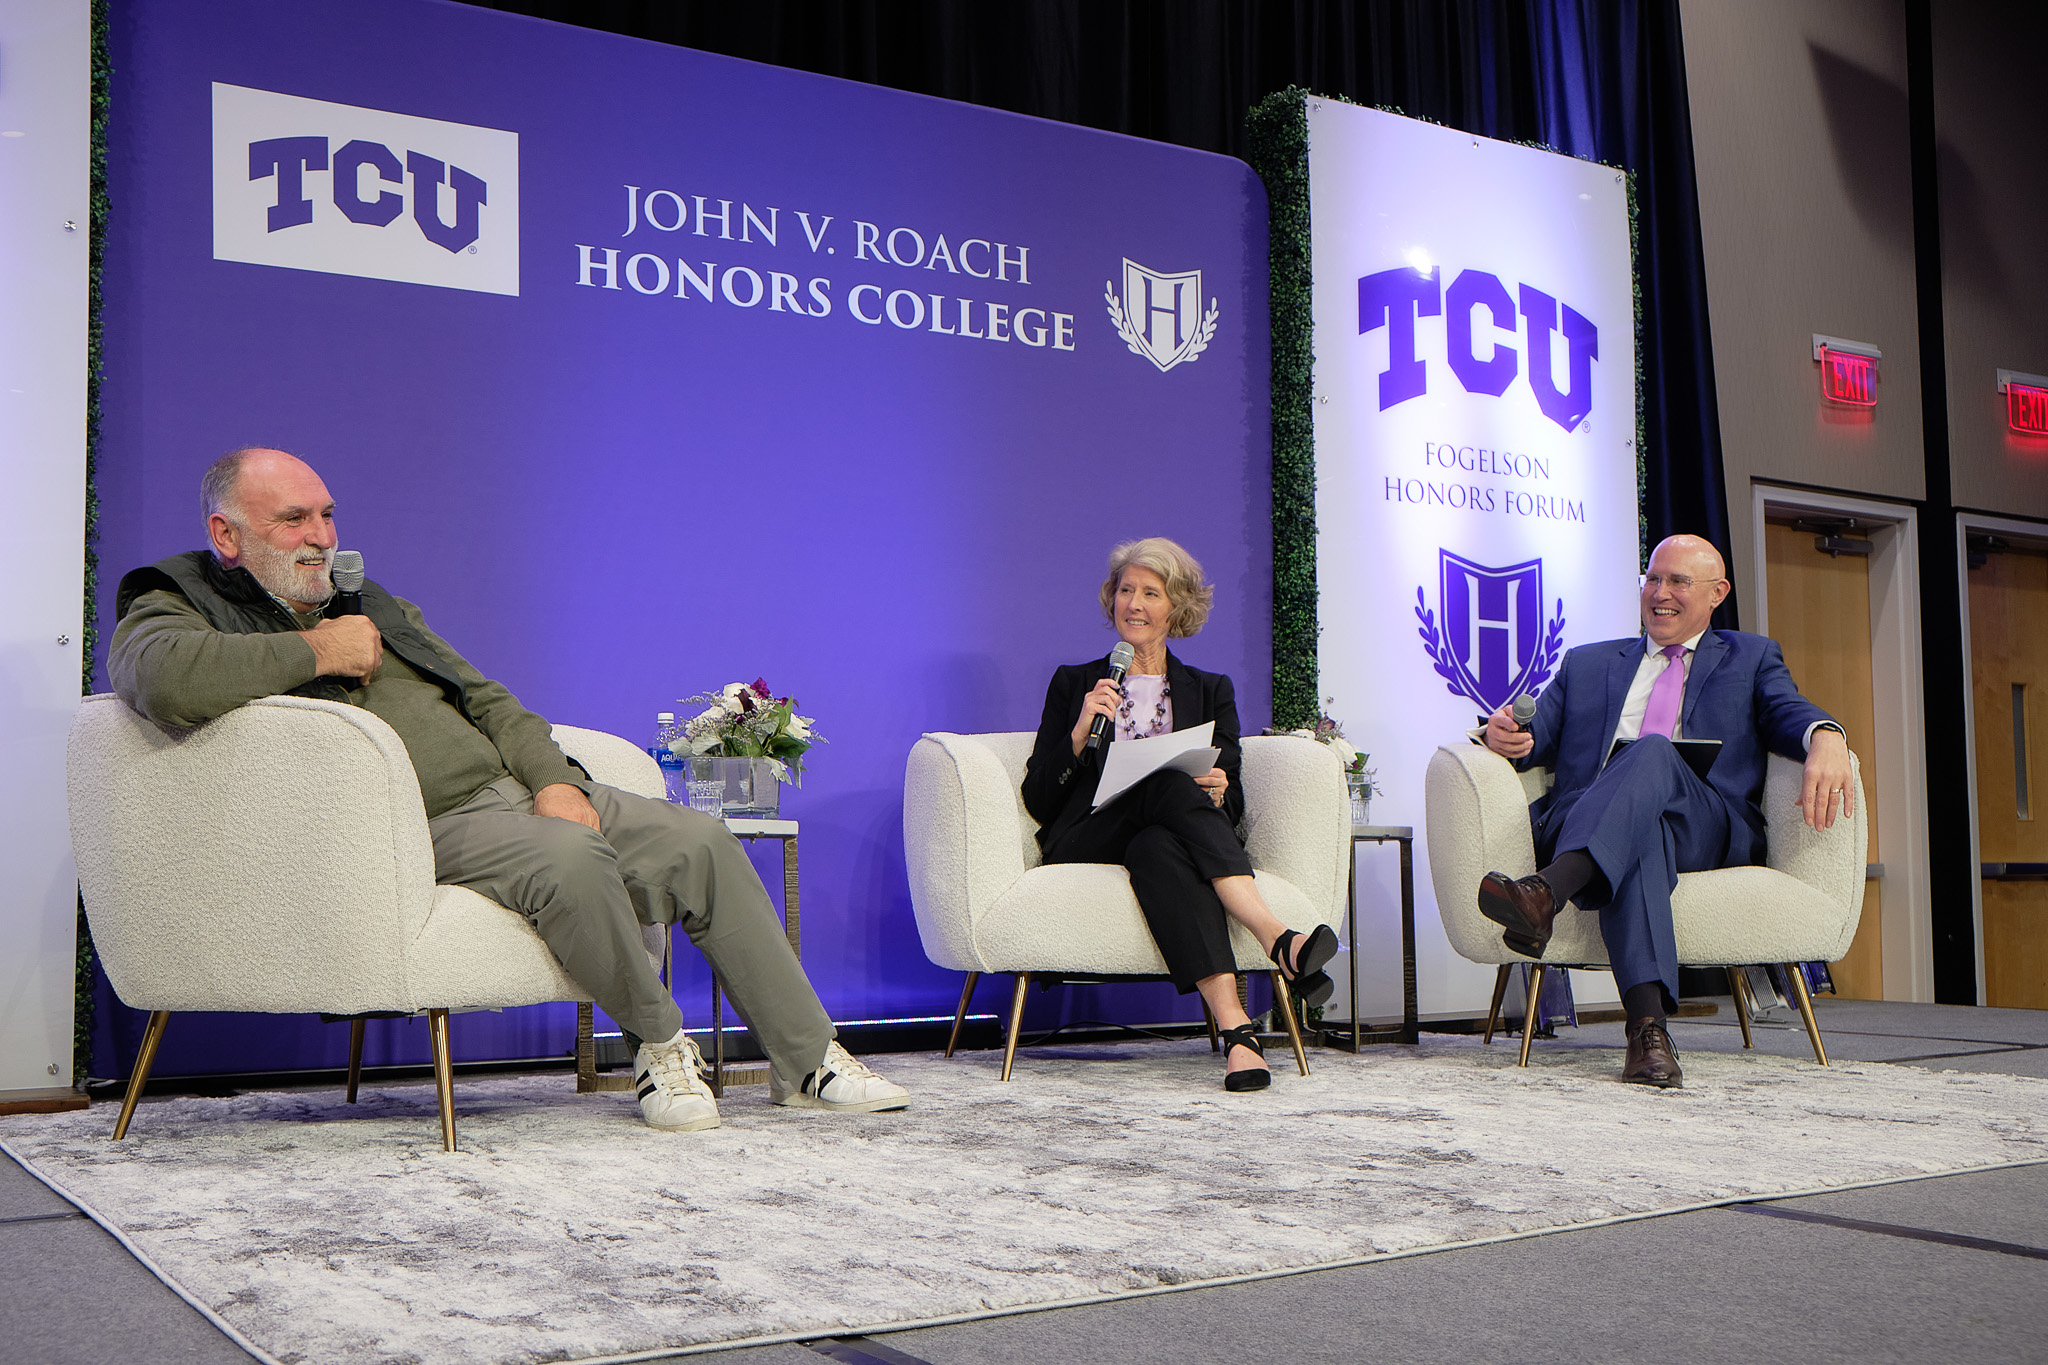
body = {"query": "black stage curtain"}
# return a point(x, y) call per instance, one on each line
point(1603, 79)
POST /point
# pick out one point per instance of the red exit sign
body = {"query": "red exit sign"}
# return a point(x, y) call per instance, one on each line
point(1848, 371)
point(2026, 402)
point(1846, 378)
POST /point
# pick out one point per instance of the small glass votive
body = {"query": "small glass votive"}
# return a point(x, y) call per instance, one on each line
point(707, 794)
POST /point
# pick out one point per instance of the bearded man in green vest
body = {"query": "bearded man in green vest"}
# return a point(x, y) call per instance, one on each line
point(511, 816)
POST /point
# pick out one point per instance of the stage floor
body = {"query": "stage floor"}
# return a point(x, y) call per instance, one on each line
point(1951, 1267)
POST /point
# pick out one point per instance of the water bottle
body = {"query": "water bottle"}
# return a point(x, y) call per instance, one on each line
point(674, 772)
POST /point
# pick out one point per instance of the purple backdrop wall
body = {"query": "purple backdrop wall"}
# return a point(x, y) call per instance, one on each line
point(611, 500)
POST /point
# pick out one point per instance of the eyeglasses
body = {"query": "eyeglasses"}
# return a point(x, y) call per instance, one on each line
point(1677, 582)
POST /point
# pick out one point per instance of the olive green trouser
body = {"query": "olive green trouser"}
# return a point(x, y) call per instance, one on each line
point(587, 892)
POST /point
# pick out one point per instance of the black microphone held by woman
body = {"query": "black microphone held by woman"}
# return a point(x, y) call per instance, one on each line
point(1119, 664)
point(1174, 833)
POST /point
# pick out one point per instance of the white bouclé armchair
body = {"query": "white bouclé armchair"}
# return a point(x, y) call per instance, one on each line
point(985, 903)
point(277, 860)
point(1802, 907)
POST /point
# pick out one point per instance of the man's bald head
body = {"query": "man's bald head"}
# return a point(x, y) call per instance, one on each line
point(1689, 554)
point(1687, 579)
point(268, 511)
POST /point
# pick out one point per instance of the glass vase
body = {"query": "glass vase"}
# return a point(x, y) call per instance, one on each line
point(1361, 798)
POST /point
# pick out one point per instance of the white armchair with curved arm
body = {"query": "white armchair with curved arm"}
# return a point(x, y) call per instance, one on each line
point(276, 860)
point(1802, 907)
point(985, 903)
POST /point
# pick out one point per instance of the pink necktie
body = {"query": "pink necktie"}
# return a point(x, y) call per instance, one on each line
point(1660, 717)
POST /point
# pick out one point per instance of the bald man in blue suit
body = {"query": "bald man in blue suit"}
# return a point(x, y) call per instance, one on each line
point(1614, 833)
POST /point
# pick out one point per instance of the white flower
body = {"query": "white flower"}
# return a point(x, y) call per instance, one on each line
point(1344, 750)
point(799, 727)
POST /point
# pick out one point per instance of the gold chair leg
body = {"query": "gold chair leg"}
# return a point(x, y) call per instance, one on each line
point(960, 1015)
point(1529, 1019)
point(1283, 1000)
point(1820, 1054)
point(1215, 1037)
point(137, 1079)
point(1740, 987)
point(356, 1029)
point(1016, 1022)
point(1500, 993)
point(444, 1075)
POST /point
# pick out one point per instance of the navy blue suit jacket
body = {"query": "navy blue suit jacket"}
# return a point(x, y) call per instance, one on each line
point(1739, 692)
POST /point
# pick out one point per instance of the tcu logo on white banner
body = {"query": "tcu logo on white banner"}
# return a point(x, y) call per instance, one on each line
point(1394, 299)
point(311, 185)
point(1160, 316)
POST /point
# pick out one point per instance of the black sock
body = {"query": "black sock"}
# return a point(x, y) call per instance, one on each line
point(1644, 1002)
point(1570, 874)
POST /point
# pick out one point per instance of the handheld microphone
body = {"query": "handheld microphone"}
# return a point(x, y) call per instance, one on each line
point(348, 582)
point(1522, 708)
point(1119, 664)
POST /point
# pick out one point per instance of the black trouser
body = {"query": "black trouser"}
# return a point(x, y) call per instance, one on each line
point(1174, 841)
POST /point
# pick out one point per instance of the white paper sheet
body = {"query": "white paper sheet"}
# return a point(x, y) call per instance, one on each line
point(1128, 762)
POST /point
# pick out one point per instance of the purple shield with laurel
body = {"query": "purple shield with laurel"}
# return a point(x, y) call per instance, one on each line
point(1493, 625)
point(1491, 642)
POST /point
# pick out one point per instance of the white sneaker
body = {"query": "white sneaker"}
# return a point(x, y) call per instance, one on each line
point(841, 1083)
point(669, 1079)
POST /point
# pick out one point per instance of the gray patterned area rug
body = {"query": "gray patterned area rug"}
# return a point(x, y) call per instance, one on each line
point(565, 1230)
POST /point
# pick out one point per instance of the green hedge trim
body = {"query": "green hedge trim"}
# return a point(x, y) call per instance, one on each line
point(1278, 135)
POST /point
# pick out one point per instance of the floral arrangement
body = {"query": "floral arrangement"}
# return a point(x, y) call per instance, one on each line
point(746, 720)
point(1328, 731)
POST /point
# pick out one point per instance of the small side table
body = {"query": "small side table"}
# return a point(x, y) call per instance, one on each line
point(755, 1073)
point(750, 1073)
point(1354, 1034)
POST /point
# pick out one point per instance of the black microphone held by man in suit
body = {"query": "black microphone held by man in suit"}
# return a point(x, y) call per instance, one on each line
point(1175, 833)
point(1618, 826)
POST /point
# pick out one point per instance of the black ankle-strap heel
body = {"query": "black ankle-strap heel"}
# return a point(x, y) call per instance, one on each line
point(1305, 976)
point(1251, 1078)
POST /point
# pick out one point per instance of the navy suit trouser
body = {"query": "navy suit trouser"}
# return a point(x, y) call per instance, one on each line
point(1645, 819)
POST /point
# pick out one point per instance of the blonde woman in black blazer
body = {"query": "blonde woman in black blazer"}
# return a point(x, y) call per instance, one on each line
point(1175, 834)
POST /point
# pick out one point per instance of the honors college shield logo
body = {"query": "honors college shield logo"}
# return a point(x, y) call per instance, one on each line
point(1492, 644)
point(1160, 316)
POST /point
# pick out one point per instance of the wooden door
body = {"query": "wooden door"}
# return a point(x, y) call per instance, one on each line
point(1820, 616)
point(2008, 676)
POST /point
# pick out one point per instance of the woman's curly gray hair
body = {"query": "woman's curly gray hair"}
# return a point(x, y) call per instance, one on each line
point(1190, 597)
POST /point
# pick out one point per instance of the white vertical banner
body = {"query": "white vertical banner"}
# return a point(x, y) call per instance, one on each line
point(1475, 457)
point(45, 242)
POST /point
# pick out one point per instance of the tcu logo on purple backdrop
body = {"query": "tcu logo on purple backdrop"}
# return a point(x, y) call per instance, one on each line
point(287, 159)
point(1394, 299)
point(1492, 644)
point(1160, 316)
point(342, 189)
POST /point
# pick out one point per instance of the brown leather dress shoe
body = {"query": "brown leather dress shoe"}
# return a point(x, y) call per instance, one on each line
point(1523, 909)
point(1652, 1060)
